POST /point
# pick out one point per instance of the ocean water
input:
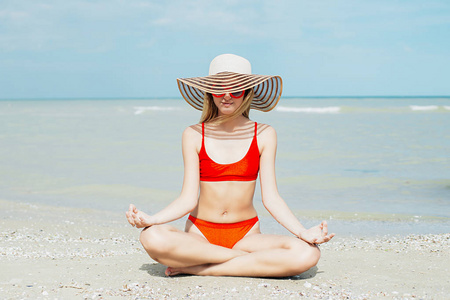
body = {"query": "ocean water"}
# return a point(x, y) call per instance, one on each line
point(379, 161)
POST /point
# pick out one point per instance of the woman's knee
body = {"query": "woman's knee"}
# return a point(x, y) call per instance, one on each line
point(154, 239)
point(313, 255)
point(306, 257)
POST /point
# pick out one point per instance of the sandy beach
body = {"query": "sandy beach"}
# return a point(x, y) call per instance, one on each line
point(54, 252)
point(101, 105)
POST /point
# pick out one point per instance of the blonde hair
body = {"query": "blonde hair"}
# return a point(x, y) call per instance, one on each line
point(210, 111)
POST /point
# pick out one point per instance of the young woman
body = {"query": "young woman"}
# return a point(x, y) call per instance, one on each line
point(222, 157)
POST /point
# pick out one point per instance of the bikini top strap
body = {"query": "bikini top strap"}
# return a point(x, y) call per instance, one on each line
point(203, 133)
point(256, 128)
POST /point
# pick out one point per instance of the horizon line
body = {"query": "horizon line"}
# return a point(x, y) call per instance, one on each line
point(179, 97)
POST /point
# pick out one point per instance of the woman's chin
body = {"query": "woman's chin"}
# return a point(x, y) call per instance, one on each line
point(226, 112)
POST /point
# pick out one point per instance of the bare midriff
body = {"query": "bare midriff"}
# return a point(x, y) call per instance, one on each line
point(225, 201)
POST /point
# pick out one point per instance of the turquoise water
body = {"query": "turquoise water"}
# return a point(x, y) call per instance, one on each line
point(341, 158)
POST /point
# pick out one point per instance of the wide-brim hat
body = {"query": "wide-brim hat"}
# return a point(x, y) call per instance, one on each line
point(230, 73)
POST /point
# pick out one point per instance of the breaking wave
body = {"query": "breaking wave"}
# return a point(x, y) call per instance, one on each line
point(141, 109)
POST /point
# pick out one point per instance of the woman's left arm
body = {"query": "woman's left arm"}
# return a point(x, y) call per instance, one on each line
point(277, 207)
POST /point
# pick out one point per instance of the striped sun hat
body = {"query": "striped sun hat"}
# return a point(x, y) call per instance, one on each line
point(230, 73)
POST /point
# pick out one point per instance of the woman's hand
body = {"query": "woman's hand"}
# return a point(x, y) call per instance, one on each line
point(138, 218)
point(317, 234)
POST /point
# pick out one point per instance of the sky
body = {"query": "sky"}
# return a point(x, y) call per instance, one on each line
point(137, 48)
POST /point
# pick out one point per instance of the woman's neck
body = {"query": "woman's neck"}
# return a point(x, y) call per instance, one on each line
point(232, 124)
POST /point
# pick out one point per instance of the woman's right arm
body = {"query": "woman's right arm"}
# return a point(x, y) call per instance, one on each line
point(188, 198)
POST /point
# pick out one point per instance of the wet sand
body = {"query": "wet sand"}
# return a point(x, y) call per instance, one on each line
point(54, 252)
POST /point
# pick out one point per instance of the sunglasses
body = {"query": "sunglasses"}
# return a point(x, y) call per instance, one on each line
point(233, 95)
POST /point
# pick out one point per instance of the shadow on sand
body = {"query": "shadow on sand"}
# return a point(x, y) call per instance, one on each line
point(156, 269)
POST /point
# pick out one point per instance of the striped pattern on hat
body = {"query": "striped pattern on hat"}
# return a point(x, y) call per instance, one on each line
point(267, 89)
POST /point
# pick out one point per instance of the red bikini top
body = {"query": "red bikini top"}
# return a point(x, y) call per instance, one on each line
point(245, 169)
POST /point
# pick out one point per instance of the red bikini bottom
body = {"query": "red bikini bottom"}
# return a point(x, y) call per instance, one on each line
point(224, 234)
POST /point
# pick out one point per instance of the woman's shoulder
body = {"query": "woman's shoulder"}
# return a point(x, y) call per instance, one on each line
point(192, 137)
point(193, 132)
point(265, 130)
point(193, 129)
point(267, 136)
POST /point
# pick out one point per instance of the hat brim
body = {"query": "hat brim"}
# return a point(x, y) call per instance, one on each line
point(267, 89)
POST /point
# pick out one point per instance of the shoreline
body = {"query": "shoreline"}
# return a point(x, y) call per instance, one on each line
point(84, 253)
point(345, 223)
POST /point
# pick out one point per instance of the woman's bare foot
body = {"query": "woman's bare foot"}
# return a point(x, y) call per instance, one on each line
point(193, 270)
point(172, 272)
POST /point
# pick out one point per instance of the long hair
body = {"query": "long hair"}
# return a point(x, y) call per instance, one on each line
point(210, 111)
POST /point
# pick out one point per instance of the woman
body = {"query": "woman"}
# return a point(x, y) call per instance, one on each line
point(222, 156)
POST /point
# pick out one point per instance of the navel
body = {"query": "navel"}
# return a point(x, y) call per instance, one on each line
point(224, 213)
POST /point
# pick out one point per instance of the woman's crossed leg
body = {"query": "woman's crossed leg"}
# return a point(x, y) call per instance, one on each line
point(257, 254)
point(175, 248)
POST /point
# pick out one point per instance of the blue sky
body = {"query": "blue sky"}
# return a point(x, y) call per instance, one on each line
point(119, 48)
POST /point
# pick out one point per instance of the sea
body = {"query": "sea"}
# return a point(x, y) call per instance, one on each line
point(367, 165)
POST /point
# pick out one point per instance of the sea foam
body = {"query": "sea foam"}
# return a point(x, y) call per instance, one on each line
point(141, 109)
point(426, 107)
point(317, 110)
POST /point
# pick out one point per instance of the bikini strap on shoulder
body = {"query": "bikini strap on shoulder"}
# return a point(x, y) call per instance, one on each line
point(203, 133)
